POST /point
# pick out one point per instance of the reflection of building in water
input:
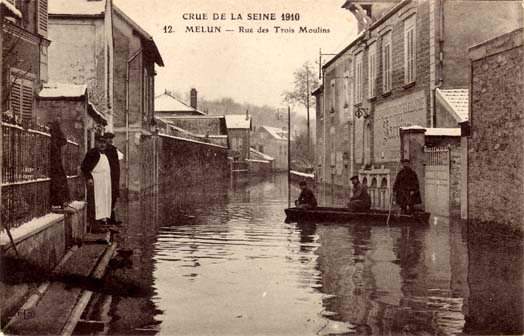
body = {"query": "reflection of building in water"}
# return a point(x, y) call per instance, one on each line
point(135, 285)
point(390, 280)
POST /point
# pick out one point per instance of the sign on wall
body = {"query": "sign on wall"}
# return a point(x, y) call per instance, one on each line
point(389, 117)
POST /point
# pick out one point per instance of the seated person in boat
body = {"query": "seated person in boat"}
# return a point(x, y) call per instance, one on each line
point(306, 199)
point(406, 188)
point(360, 202)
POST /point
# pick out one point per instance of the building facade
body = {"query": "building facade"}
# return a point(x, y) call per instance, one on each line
point(82, 49)
point(24, 57)
point(135, 56)
point(389, 75)
point(273, 142)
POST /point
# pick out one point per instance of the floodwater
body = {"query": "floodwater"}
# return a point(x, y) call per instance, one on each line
point(220, 260)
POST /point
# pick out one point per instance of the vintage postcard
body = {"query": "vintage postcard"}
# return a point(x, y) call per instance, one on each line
point(243, 167)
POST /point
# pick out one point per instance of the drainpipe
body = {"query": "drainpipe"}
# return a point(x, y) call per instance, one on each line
point(440, 61)
point(127, 116)
point(324, 133)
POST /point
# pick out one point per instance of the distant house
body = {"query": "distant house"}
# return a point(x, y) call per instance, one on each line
point(167, 105)
point(274, 142)
point(239, 128)
point(205, 128)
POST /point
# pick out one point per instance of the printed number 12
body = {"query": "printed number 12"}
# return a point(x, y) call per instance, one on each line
point(168, 29)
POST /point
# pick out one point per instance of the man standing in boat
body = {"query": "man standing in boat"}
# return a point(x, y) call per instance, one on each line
point(406, 188)
point(306, 199)
point(360, 202)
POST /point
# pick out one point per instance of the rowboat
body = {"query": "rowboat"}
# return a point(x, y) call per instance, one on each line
point(377, 217)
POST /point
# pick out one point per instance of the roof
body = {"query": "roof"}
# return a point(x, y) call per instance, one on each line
point(456, 101)
point(167, 102)
point(443, 132)
point(11, 9)
point(318, 90)
point(375, 24)
point(150, 45)
point(261, 155)
point(434, 131)
point(277, 133)
point(56, 90)
point(240, 121)
point(97, 116)
point(76, 7)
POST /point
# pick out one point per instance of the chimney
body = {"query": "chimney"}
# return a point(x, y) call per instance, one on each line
point(247, 114)
point(193, 99)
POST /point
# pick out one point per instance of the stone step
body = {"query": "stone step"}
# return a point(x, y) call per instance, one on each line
point(51, 313)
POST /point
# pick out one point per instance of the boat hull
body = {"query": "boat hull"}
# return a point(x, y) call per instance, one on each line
point(377, 217)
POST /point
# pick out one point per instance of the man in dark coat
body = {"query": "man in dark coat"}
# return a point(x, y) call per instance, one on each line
point(361, 201)
point(406, 188)
point(112, 156)
point(96, 170)
point(306, 199)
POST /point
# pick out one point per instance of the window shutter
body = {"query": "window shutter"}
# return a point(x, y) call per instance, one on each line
point(42, 17)
point(27, 100)
point(15, 97)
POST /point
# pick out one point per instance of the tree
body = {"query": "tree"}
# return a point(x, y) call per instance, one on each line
point(305, 80)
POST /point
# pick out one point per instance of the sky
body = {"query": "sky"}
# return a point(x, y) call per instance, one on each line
point(254, 68)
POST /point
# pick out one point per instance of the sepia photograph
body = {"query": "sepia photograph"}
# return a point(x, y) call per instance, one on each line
point(275, 167)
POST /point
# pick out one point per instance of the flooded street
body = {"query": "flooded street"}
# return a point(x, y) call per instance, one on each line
point(221, 260)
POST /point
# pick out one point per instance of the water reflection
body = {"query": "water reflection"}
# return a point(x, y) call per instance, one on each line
point(220, 260)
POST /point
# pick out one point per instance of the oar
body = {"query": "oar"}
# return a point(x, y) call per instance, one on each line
point(391, 195)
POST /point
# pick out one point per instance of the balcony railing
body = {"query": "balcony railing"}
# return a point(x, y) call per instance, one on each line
point(26, 173)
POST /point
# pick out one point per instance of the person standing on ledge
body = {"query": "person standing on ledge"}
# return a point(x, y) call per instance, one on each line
point(406, 188)
point(306, 199)
point(360, 202)
point(97, 173)
point(112, 155)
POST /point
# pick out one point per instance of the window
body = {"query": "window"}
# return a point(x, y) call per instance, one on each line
point(386, 62)
point(237, 144)
point(409, 49)
point(42, 17)
point(261, 148)
point(358, 78)
point(332, 97)
point(44, 73)
point(346, 89)
point(21, 98)
point(372, 70)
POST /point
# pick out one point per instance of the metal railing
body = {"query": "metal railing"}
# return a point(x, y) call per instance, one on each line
point(26, 173)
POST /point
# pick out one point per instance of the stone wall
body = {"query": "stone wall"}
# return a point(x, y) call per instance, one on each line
point(495, 150)
point(184, 163)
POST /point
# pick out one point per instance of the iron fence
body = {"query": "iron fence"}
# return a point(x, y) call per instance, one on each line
point(436, 156)
point(26, 173)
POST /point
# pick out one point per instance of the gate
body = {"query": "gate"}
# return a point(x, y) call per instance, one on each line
point(436, 198)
